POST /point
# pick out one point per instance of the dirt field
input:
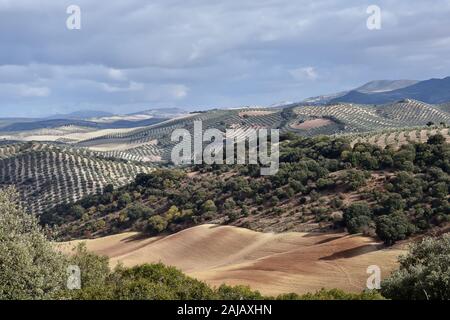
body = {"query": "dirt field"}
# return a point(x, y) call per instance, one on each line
point(271, 263)
point(311, 124)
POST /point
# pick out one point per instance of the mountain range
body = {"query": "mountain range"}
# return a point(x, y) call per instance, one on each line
point(433, 91)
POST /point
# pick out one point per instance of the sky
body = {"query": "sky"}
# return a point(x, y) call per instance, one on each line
point(134, 55)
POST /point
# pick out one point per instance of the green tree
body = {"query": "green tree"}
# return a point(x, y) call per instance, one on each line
point(209, 206)
point(123, 200)
point(30, 268)
point(137, 211)
point(436, 139)
point(394, 227)
point(173, 213)
point(229, 204)
point(358, 217)
point(156, 224)
point(424, 273)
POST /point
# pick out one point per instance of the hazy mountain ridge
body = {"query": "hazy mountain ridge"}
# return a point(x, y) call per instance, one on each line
point(369, 87)
point(434, 91)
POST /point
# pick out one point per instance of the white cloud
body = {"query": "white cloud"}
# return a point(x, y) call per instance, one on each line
point(116, 74)
point(27, 91)
point(132, 86)
point(306, 73)
point(179, 91)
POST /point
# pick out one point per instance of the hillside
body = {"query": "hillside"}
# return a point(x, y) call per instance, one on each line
point(148, 140)
point(268, 262)
point(47, 175)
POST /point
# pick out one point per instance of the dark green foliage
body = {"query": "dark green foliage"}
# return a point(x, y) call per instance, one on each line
point(394, 227)
point(424, 273)
point(358, 217)
point(333, 294)
point(156, 224)
point(356, 179)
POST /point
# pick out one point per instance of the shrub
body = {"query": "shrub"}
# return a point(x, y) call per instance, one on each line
point(333, 294)
point(123, 200)
point(356, 179)
point(358, 217)
point(30, 268)
point(424, 272)
point(394, 227)
point(209, 206)
point(137, 211)
point(156, 224)
point(436, 139)
point(225, 292)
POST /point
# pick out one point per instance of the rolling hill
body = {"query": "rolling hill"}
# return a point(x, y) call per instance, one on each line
point(47, 175)
point(152, 143)
point(268, 262)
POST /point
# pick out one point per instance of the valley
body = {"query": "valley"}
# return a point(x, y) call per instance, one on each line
point(355, 184)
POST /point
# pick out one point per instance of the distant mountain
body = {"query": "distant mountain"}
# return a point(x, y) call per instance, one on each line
point(385, 85)
point(81, 115)
point(160, 112)
point(55, 123)
point(375, 86)
point(324, 99)
point(433, 91)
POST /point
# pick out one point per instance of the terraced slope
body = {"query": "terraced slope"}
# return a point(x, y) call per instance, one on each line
point(398, 137)
point(412, 112)
point(354, 118)
point(46, 175)
point(348, 118)
point(154, 143)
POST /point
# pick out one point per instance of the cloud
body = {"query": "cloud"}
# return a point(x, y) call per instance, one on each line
point(116, 74)
point(27, 91)
point(306, 73)
point(132, 86)
point(202, 53)
point(179, 91)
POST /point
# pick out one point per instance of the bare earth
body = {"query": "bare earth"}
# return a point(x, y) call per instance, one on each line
point(270, 263)
point(311, 124)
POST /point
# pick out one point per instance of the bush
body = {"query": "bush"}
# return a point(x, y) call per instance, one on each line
point(30, 268)
point(394, 227)
point(356, 179)
point(94, 273)
point(333, 294)
point(137, 211)
point(358, 217)
point(237, 293)
point(156, 224)
point(436, 139)
point(424, 272)
point(209, 206)
point(123, 200)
